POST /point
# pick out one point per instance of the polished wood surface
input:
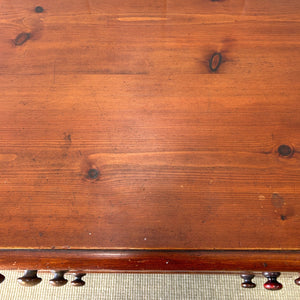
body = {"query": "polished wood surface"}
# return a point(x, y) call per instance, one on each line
point(150, 261)
point(150, 125)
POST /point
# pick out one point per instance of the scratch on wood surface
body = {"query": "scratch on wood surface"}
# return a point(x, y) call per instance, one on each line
point(97, 104)
point(74, 199)
point(138, 19)
point(54, 67)
point(88, 6)
point(7, 157)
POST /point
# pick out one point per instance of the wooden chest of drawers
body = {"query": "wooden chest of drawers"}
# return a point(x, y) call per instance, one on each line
point(150, 135)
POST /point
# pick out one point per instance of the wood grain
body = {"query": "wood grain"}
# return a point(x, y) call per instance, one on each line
point(185, 158)
point(151, 260)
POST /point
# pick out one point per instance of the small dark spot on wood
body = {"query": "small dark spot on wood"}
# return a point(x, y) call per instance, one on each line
point(39, 9)
point(228, 40)
point(21, 38)
point(41, 234)
point(67, 137)
point(285, 150)
point(93, 173)
point(283, 217)
point(215, 61)
point(265, 265)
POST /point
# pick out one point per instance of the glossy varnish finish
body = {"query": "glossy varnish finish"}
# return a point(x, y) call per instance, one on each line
point(150, 260)
point(149, 125)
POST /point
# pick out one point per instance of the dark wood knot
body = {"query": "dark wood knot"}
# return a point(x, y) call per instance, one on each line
point(39, 9)
point(272, 283)
point(21, 38)
point(59, 279)
point(78, 281)
point(248, 281)
point(29, 278)
point(93, 173)
point(215, 61)
point(285, 150)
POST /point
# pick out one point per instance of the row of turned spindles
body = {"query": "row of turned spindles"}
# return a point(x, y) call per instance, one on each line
point(30, 278)
point(271, 284)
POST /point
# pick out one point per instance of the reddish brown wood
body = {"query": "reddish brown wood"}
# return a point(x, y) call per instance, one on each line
point(272, 283)
point(120, 130)
point(148, 261)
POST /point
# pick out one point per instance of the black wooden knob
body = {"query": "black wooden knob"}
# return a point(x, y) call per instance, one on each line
point(272, 283)
point(59, 279)
point(78, 281)
point(29, 278)
point(248, 281)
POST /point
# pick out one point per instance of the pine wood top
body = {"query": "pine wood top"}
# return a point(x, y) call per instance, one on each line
point(116, 134)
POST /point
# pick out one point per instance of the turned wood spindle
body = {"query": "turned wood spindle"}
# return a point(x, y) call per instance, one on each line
point(78, 281)
point(272, 283)
point(59, 279)
point(2, 278)
point(248, 281)
point(29, 278)
point(297, 281)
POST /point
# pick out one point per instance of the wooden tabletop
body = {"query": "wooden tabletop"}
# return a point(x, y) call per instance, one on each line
point(150, 124)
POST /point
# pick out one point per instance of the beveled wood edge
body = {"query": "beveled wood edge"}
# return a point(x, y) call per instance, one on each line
point(151, 260)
